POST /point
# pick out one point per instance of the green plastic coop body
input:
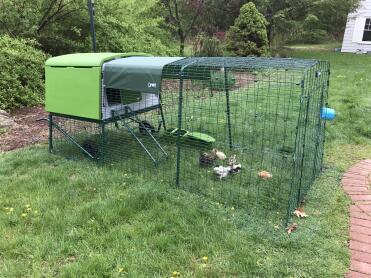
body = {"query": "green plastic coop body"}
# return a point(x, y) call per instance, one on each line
point(74, 83)
point(164, 118)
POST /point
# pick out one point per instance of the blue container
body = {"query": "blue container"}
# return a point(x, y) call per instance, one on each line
point(328, 114)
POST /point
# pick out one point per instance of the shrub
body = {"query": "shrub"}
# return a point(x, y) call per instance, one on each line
point(312, 32)
point(248, 35)
point(205, 46)
point(315, 36)
point(22, 73)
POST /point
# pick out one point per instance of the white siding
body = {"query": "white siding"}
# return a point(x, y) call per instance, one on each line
point(354, 29)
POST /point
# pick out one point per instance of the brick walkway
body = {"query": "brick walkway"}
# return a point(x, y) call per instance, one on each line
point(356, 183)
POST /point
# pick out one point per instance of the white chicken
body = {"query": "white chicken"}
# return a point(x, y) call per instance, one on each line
point(221, 171)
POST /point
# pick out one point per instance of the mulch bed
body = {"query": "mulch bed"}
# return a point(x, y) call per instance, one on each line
point(27, 131)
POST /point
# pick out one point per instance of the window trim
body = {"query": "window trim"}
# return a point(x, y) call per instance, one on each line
point(366, 28)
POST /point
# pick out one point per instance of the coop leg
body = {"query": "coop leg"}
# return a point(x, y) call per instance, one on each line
point(228, 109)
point(162, 114)
point(103, 142)
point(50, 124)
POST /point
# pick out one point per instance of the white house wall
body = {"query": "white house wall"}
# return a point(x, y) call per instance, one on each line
point(354, 30)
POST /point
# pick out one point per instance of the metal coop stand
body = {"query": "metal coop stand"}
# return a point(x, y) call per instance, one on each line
point(243, 131)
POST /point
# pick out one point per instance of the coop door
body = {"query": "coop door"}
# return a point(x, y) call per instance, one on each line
point(116, 100)
point(122, 97)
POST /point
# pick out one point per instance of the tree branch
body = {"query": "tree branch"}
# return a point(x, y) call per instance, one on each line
point(200, 6)
point(51, 18)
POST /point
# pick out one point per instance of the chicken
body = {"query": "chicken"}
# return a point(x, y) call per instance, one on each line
point(221, 171)
point(235, 169)
point(265, 175)
point(207, 159)
point(220, 155)
point(232, 160)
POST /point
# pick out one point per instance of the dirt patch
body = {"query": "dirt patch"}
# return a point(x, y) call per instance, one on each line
point(27, 130)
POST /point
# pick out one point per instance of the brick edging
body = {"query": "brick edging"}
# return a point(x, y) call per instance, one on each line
point(356, 183)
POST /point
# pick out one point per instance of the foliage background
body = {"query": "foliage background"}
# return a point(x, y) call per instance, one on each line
point(160, 27)
point(22, 71)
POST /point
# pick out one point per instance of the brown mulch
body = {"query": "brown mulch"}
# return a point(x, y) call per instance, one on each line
point(27, 131)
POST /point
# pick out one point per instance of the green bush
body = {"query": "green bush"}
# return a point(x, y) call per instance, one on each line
point(22, 73)
point(315, 36)
point(312, 32)
point(206, 46)
point(248, 35)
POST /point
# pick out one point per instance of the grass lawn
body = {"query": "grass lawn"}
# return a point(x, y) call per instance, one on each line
point(75, 219)
point(317, 47)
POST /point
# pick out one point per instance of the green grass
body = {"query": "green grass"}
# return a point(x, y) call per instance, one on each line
point(91, 221)
point(330, 46)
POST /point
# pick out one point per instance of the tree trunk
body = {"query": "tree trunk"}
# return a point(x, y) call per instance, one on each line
point(182, 44)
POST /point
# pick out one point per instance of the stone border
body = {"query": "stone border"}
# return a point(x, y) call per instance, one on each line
point(356, 183)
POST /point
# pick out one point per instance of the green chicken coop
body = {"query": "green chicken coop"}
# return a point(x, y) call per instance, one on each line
point(255, 121)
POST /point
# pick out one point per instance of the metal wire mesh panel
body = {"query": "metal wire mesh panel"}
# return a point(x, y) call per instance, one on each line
point(242, 131)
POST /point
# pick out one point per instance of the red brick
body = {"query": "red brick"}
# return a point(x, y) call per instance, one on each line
point(360, 246)
point(361, 267)
point(361, 256)
point(354, 274)
point(356, 189)
point(366, 208)
point(351, 182)
point(354, 208)
point(361, 197)
point(360, 222)
point(361, 166)
point(355, 177)
point(365, 161)
point(359, 171)
point(360, 215)
point(360, 237)
point(365, 164)
point(360, 229)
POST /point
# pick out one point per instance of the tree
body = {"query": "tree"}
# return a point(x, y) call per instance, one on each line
point(132, 25)
point(248, 35)
point(288, 19)
point(62, 26)
point(333, 14)
point(183, 15)
point(219, 15)
point(55, 24)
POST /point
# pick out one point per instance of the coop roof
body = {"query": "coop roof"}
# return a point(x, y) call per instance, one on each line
point(244, 63)
point(87, 59)
point(144, 74)
point(141, 74)
point(200, 68)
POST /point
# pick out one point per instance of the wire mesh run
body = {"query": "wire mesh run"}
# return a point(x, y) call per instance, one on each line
point(243, 131)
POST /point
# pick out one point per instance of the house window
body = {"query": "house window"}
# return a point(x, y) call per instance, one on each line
point(367, 31)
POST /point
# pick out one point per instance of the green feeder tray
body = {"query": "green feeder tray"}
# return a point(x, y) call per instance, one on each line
point(196, 136)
